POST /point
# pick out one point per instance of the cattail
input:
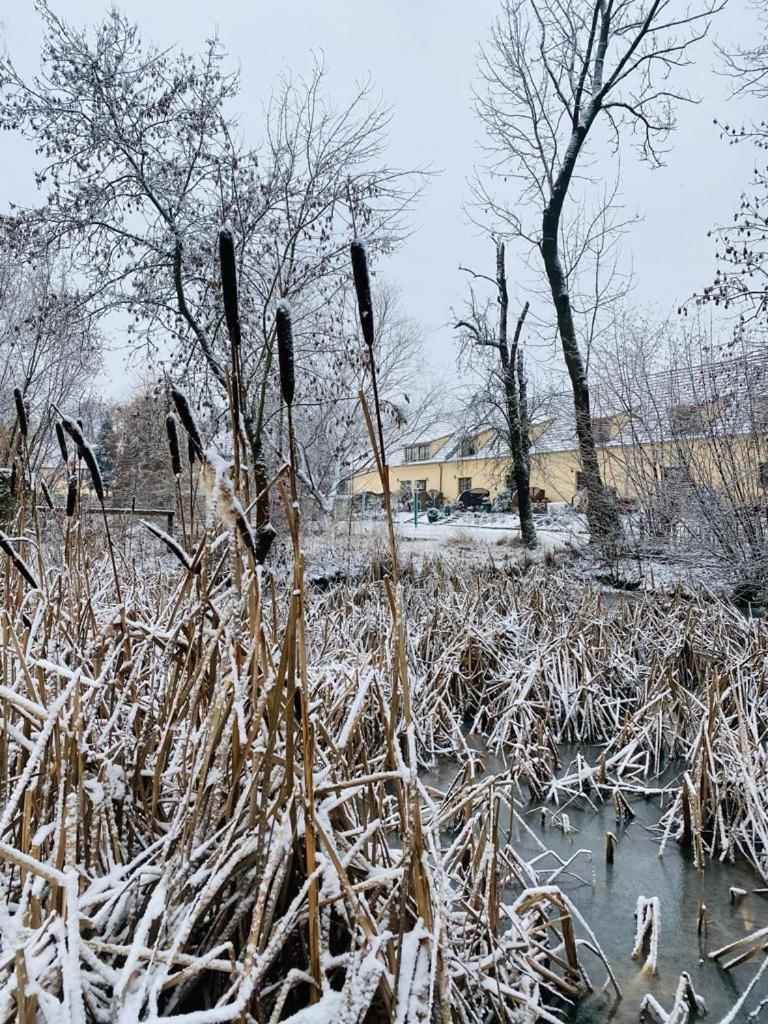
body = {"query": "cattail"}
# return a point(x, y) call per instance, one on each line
point(86, 453)
point(46, 493)
point(172, 546)
point(62, 442)
point(284, 326)
point(173, 443)
point(21, 567)
point(229, 282)
point(363, 289)
point(244, 529)
point(21, 411)
point(181, 402)
point(191, 453)
point(71, 495)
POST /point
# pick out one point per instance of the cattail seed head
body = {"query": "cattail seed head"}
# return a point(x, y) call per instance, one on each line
point(21, 567)
point(245, 531)
point(284, 327)
point(363, 288)
point(21, 411)
point(229, 282)
point(85, 452)
point(71, 495)
point(46, 493)
point(191, 453)
point(181, 402)
point(173, 443)
point(62, 442)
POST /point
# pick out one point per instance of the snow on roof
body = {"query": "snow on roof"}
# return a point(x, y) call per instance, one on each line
point(725, 396)
point(640, 406)
point(430, 432)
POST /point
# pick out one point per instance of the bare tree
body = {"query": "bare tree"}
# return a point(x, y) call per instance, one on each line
point(741, 279)
point(691, 419)
point(142, 164)
point(48, 350)
point(550, 74)
point(479, 329)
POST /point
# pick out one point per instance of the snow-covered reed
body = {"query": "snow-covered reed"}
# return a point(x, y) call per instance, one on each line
point(213, 807)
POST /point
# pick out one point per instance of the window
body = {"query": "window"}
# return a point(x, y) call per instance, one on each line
point(416, 452)
point(759, 413)
point(764, 474)
point(601, 429)
point(465, 484)
point(468, 448)
point(509, 482)
point(405, 488)
point(421, 485)
point(581, 479)
point(685, 419)
point(674, 475)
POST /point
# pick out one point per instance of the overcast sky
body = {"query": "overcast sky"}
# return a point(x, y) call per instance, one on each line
point(421, 53)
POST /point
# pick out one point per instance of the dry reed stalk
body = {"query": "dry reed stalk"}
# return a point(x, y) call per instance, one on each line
point(179, 773)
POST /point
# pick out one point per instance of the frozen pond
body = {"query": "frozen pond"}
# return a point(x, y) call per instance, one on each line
point(607, 896)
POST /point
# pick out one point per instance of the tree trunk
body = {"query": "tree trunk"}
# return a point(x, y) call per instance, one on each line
point(524, 486)
point(602, 513)
point(521, 455)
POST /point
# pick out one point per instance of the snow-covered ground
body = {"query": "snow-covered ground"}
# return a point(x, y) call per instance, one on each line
point(559, 529)
point(346, 548)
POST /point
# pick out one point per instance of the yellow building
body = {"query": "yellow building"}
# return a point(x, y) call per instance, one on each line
point(702, 426)
point(451, 461)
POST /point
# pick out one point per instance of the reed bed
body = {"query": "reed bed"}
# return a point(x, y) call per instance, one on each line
point(153, 838)
point(213, 796)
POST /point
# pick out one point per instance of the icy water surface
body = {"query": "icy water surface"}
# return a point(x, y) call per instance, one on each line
point(607, 898)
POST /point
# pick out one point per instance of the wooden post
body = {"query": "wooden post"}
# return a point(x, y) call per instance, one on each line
point(610, 845)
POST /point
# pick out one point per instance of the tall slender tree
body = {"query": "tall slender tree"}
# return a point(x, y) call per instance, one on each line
point(479, 330)
point(550, 75)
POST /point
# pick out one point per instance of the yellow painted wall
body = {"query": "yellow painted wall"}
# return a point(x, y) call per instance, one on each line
point(630, 470)
point(554, 472)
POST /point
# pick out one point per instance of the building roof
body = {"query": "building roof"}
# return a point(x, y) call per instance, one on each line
point(641, 407)
point(727, 397)
point(429, 433)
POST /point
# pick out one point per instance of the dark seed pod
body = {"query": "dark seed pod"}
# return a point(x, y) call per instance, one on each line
point(284, 326)
point(187, 420)
point(62, 442)
point(85, 452)
point(20, 566)
point(245, 531)
point(229, 282)
point(264, 542)
point(46, 493)
point(191, 453)
point(172, 546)
point(173, 443)
point(363, 289)
point(71, 495)
point(21, 411)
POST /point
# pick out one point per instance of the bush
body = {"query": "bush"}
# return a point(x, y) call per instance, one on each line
point(503, 502)
point(432, 515)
